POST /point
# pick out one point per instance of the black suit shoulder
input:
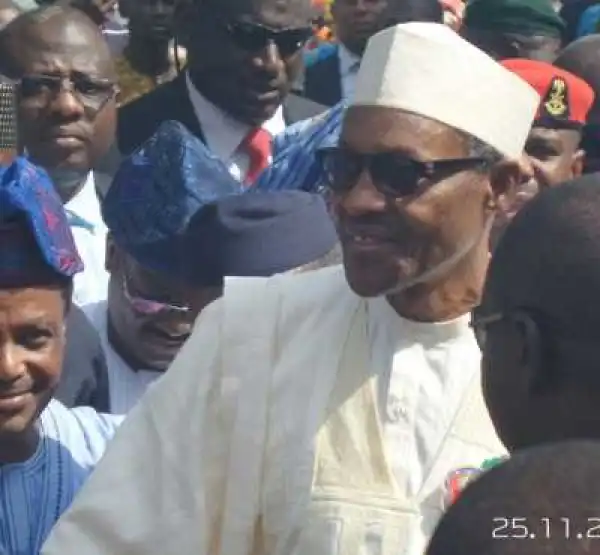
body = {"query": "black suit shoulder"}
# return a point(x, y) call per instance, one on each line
point(138, 120)
point(323, 81)
point(84, 379)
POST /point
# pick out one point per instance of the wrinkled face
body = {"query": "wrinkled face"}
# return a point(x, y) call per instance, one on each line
point(32, 341)
point(393, 242)
point(357, 21)
point(149, 18)
point(259, 53)
point(152, 316)
point(67, 95)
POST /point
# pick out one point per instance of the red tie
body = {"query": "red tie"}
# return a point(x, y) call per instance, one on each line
point(258, 146)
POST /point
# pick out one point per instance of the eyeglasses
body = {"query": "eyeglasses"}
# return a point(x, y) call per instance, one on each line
point(393, 174)
point(149, 307)
point(253, 37)
point(480, 324)
point(41, 89)
point(529, 318)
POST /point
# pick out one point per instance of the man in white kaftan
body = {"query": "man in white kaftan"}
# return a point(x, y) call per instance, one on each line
point(321, 414)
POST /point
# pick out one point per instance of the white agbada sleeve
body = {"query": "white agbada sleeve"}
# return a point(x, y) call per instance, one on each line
point(162, 486)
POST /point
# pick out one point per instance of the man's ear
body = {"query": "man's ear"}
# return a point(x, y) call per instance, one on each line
point(111, 259)
point(577, 163)
point(508, 175)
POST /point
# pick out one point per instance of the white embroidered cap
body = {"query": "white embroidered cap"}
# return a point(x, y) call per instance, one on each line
point(428, 69)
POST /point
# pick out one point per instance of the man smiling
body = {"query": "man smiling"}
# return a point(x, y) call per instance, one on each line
point(320, 414)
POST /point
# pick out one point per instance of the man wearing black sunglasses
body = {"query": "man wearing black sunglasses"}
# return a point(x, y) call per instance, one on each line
point(243, 57)
point(538, 320)
point(320, 414)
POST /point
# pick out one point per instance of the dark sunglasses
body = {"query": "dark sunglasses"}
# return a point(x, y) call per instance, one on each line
point(393, 174)
point(253, 37)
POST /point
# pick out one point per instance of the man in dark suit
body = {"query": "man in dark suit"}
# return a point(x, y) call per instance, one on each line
point(84, 380)
point(332, 77)
point(243, 57)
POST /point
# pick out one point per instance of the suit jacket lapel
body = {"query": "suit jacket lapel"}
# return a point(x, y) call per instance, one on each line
point(182, 109)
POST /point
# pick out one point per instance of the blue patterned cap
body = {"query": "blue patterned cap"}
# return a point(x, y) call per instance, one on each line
point(154, 195)
point(33, 225)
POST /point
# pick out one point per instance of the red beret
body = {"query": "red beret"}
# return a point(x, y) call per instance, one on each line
point(566, 99)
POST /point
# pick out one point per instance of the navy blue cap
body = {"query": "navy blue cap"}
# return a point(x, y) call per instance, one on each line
point(153, 197)
point(262, 234)
point(35, 237)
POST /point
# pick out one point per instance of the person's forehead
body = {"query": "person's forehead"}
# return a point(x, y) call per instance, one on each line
point(372, 129)
point(272, 13)
point(66, 45)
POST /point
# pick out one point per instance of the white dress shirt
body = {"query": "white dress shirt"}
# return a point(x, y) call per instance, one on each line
point(224, 135)
point(89, 232)
point(349, 64)
point(126, 386)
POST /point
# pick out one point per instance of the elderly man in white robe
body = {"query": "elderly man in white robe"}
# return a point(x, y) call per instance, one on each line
point(321, 414)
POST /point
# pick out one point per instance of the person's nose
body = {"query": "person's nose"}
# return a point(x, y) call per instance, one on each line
point(162, 8)
point(363, 198)
point(361, 6)
point(11, 364)
point(269, 59)
point(66, 103)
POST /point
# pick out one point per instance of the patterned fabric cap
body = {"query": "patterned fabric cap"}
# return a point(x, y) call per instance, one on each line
point(33, 224)
point(153, 197)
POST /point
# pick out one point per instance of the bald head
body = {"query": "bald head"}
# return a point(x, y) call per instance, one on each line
point(582, 58)
point(53, 29)
point(549, 257)
point(518, 508)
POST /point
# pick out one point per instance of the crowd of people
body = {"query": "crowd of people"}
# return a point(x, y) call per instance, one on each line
point(280, 281)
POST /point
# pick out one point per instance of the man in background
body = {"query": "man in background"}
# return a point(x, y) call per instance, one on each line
point(242, 59)
point(148, 60)
point(514, 28)
point(66, 106)
point(333, 77)
point(553, 152)
point(581, 58)
point(537, 320)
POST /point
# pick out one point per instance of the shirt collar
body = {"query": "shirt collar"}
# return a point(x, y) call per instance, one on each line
point(349, 62)
point(84, 208)
point(223, 133)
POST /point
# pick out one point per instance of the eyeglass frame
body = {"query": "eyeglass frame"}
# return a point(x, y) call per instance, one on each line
point(524, 315)
point(159, 306)
point(111, 91)
point(424, 169)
